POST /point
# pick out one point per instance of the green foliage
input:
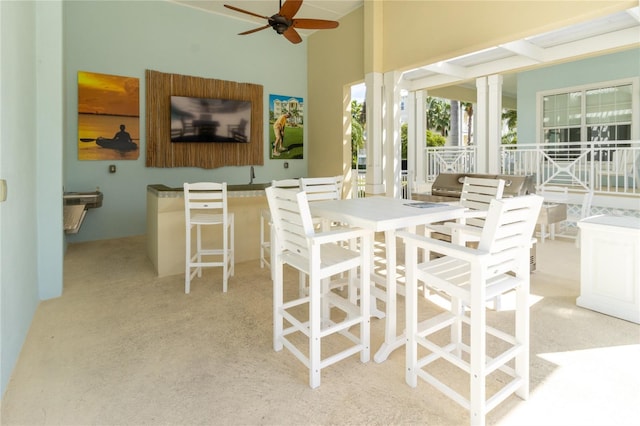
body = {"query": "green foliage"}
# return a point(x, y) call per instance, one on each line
point(403, 140)
point(358, 121)
point(434, 139)
point(510, 116)
point(438, 115)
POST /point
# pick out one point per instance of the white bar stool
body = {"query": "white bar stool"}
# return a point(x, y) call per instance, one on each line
point(205, 204)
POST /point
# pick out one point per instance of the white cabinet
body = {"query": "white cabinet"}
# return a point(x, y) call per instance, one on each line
point(610, 266)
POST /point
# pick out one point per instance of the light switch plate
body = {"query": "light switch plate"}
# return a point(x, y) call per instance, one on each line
point(3, 190)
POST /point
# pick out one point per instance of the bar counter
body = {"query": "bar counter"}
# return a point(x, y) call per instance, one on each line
point(166, 228)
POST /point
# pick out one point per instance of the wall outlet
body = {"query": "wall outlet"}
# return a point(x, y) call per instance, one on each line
point(112, 168)
point(286, 164)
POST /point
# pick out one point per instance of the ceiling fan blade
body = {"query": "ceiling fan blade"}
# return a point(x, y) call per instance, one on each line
point(292, 35)
point(290, 8)
point(314, 24)
point(254, 30)
point(245, 11)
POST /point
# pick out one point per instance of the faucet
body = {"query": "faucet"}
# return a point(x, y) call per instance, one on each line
point(252, 176)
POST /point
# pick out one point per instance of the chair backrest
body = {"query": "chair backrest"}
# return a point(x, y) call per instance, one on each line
point(585, 211)
point(286, 183)
point(507, 231)
point(291, 220)
point(554, 194)
point(477, 194)
point(205, 198)
point(322, 188)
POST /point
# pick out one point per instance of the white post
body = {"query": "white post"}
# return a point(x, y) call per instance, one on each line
point(411, 136)
point(494, 123)
point(392, 152)
point(375, 183)
point(420, 137)
point(482, 134)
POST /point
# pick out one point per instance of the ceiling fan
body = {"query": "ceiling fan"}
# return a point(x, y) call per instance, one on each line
point(284, 22)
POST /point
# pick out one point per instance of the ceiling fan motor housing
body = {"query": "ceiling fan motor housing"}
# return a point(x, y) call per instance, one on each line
point(280, 23)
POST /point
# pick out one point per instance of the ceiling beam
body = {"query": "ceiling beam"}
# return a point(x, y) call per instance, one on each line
point(524, 48)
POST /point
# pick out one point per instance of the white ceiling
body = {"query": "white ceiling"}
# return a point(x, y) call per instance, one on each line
point(331, 10)
point(606, 34)
point(602, 35)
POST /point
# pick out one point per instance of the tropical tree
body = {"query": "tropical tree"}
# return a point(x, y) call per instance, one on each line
point(438, 115)
point(455, 115)
point(510, 117)
point(295, 114)
point(358, 122)
point(468, 109)
point(433, 139)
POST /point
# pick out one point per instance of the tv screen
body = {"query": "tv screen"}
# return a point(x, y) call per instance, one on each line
point(210, 120)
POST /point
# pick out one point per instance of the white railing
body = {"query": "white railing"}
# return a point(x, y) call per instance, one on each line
point(612, 167)
point(360, 181)
point(450, 159)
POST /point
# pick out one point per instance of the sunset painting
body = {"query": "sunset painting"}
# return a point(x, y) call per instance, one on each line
point(108, 117)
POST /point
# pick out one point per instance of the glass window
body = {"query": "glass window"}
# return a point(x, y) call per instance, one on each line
point(594, 114)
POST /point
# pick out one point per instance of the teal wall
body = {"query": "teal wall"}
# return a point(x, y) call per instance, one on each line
point(31, 241)
point(42, 47)
point(615, 66)
point(126, 38)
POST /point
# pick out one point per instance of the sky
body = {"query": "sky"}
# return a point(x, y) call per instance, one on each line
point(108, 94)
point(358, 92)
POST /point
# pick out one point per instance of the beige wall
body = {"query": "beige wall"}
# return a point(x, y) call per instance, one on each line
point(414, 33)
point(335, 60)
point(423, 32)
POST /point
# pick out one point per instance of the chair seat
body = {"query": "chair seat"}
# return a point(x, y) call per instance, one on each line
point(208, 219)
point(453, 276)
point(333, 258)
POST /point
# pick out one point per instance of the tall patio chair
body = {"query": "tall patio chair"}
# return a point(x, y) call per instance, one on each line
point(205, 205)
point(492, 358)
point(325, 314)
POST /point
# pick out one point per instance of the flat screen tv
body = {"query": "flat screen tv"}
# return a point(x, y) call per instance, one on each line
point(210, 120)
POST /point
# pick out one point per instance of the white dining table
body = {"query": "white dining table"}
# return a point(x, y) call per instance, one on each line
point(388, 215)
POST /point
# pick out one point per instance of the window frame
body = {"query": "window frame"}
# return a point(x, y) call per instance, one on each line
point(635, 106)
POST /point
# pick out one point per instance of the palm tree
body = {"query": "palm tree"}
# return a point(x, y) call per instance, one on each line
point(438, 115)
point(510, 116)
point(468, 109)
point(455, 115)
point(358, 122)
point(295, 114)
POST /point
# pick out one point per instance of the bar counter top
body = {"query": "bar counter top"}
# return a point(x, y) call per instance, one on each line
point(243, 190)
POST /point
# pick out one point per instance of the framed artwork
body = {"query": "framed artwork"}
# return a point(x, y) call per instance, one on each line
point(286, 127)
point(108, 117)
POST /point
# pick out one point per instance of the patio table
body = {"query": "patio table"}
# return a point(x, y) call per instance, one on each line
point(386, 214)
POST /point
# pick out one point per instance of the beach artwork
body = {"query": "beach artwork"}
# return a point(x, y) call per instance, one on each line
point(286, 127)
point(108, 117)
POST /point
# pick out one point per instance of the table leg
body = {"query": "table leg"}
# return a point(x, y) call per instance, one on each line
point(391, 340)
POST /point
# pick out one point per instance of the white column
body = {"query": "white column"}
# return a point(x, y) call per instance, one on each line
point(481, 135)
point(392, 153)
point(410, 106)
point(374, 101)
point(494, 123)
point(420, 138)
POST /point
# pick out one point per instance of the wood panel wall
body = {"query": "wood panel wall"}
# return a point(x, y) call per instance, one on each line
point(162, 153)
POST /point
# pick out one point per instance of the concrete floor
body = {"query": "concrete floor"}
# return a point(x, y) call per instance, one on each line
point(123, 347)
